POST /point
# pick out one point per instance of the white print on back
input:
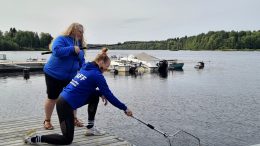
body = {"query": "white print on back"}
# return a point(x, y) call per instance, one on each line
point(78, 76)
point(81, 76)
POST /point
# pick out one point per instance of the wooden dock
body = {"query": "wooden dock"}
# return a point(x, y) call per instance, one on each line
point(11, 67)
point(12, 133)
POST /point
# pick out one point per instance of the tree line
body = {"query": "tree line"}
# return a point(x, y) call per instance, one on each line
point(213, 40)
point(14, 40)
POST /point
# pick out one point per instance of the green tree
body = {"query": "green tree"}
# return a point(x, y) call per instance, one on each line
point(45, 40)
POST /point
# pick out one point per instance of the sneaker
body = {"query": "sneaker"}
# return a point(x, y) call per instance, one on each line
point(29, 135)
point(94, 132)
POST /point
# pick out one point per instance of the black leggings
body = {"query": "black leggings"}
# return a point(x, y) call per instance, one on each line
point(66, 119)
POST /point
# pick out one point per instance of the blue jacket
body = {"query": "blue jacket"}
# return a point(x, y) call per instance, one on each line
point(64, 62)
point(84, 84)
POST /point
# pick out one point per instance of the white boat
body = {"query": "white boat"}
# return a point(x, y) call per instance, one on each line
point(200, 65)
point(123, 68)
point(148, 61)
point(130, 58)
point(2, 56)
point(141, 61)
point(119, 66)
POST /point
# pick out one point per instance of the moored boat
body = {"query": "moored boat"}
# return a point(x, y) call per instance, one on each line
point(175, 66)
point(200, 65)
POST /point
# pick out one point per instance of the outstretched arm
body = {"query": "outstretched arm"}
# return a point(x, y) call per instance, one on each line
point(104, 89)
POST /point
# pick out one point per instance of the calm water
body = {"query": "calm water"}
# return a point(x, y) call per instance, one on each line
point(220, 104)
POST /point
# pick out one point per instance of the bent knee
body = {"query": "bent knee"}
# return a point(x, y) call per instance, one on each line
point(68, 141)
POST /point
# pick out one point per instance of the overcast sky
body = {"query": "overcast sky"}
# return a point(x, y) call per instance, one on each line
point(113, 21)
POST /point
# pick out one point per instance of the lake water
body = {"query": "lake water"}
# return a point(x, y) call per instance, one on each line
point(219, 104)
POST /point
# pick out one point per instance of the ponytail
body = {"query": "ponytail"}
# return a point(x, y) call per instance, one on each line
point(102, 56)
point(104, 51)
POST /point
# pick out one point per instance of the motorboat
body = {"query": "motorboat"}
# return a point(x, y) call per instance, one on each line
point(200, 65)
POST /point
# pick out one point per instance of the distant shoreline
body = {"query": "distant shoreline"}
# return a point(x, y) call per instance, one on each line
point(213, 40)
point(149, 49)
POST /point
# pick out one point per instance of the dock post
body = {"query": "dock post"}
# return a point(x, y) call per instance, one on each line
point(26, 73)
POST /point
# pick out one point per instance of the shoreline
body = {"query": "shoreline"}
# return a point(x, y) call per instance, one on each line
point(249, 50)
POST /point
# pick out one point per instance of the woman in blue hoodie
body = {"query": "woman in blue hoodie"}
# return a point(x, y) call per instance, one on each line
point(65, 61)
point(76, 94)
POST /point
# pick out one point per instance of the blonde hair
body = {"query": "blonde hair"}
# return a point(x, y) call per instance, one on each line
point(102, 56)
point(70, 31)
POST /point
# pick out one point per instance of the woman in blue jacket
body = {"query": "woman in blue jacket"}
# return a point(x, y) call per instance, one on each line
point(65, 61)
point(76, 94)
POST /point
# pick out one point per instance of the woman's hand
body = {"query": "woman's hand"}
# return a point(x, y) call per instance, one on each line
point(128, 112)
point(77, 49)
point(104, 100)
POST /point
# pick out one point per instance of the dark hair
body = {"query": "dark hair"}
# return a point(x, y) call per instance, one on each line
point(102, 56)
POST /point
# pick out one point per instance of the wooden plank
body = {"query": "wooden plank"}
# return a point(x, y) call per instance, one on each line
point(12, 132)
point(24, 121)
point(15, 135)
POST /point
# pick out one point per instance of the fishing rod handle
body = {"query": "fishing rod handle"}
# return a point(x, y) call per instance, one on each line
point(147, 124)
point(150, 126)
point(81, 48)
point(48, 52)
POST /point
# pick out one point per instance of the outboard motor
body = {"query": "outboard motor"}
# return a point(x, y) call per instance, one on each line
point(201, 65)
point(163, 66)
point(133, 69)
point(115, 71)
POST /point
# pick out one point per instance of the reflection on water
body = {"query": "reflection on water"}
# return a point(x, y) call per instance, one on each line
point(163, 74)
point(219, 104)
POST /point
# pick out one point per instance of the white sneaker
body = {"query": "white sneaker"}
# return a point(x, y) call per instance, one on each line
point(94, 132)
point(29, 135)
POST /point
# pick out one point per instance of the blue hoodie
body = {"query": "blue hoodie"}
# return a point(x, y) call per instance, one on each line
point(64, 62)
point(84, 84)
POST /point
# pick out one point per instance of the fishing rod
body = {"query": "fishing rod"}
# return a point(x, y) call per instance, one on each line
point(82, 48)
point(172, 138)
point(151, 126)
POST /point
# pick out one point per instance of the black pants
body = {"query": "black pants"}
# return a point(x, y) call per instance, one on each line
point(54, 86)
point(66, 119)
